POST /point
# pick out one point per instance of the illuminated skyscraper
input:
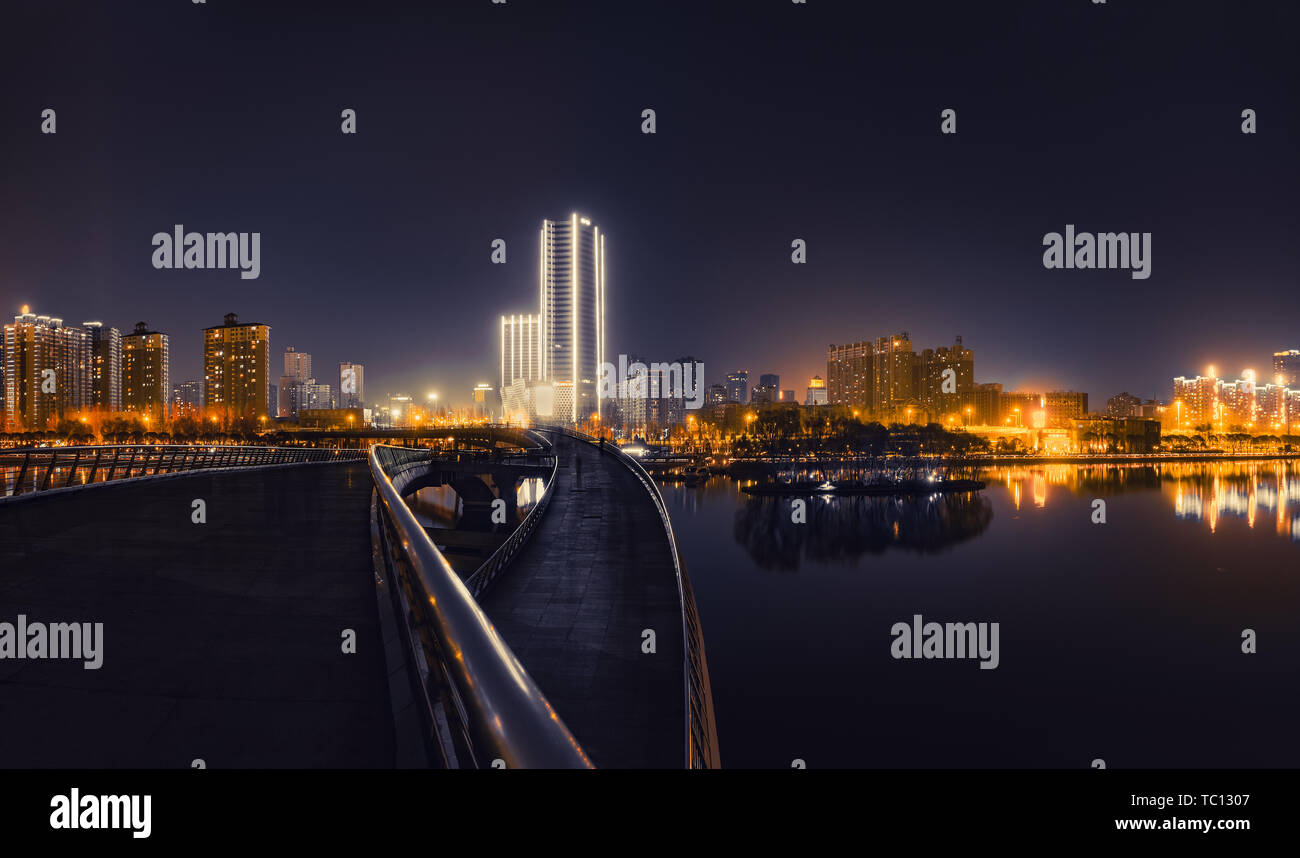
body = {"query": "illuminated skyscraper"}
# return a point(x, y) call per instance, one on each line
point(1286, 368)
point(237, 368)
point(47, 372)
point(105, 366)
point(146, 371)
point(571, 280)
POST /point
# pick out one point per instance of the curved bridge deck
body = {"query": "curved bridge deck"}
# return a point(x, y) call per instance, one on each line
point(574, 603)
point(222, 641)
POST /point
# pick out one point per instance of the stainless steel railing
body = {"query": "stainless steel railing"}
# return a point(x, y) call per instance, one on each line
point(483, 577)
point(481, 709)
point(29, 470)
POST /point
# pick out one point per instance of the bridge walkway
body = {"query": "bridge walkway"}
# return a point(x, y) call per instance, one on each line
point(574, 603)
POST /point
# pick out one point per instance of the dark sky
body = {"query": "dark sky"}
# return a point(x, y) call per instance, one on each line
point(775, 121)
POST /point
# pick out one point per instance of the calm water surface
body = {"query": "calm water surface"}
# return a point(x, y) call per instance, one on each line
point(1119, 641)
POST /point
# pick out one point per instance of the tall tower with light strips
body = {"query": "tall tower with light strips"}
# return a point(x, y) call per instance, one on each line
point(571, 284)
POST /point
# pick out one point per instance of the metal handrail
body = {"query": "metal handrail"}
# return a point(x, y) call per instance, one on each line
point(701, 731)
point(481, 706)
point(149, 459)
point(490, 569)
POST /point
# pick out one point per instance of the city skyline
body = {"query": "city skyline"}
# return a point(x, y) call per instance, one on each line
point(901, 224)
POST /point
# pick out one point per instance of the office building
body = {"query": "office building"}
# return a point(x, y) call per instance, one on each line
point(738, 386)
point(572, 289)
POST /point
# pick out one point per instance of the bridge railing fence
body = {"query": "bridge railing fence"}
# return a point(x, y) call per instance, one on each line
point(701, 730)
point(480, 707)
point(30, 470)
point(483, 577)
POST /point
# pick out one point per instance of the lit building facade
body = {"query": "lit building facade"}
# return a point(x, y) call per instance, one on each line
point(237, 368)
point(146, 371)
point(849, 374)
point(1286, 368)
point(738, 386)
point(47, 371)
point(572, 290)
point(105, 366)
point(893, 378)
point(187, 398)
point(816, 391)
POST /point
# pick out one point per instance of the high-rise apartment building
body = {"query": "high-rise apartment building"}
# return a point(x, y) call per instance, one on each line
point(297, 372)
point(849, 373)
point(572, 289)
point(943, 393)
point(1195, 401)
point(105, 366)
point(1286, 368)
point(1124, 405)
point(893, 377)
point(146, 371)
point(187, 398)
point(237, 368)
point(47, 370)
point(297, 364)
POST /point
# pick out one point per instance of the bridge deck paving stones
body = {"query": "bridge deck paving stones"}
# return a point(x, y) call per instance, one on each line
point(221, 641)
point(573, 604)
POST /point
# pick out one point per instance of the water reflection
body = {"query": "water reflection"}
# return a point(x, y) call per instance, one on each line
point(1266, 494)
point(842, 529)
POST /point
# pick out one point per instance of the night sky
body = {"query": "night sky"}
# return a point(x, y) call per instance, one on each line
point(776, 121)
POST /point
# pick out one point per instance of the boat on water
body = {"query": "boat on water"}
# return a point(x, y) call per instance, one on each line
point(932, 485)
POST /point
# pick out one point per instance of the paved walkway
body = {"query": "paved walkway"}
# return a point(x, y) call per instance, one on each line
point(573, 604)
point(222, 641)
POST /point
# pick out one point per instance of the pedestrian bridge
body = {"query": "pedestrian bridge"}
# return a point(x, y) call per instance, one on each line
point(307, 619)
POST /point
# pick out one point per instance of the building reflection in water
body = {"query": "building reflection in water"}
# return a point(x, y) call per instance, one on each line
point(842, 529)
point(1264, 494)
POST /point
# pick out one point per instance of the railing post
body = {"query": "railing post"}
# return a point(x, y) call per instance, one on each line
point(72, 472)
point(94, 466)
point(22, 472)
point(113, 467)
point(49, 470)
